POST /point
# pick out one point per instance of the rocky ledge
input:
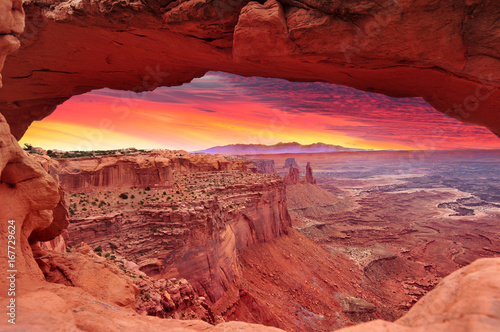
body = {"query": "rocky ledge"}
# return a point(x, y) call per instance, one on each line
point(192, 225)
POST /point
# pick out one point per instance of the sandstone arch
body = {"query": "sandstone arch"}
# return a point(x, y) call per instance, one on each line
point(447, 52)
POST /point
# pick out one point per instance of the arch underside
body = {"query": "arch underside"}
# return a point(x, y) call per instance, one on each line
point(447, 53)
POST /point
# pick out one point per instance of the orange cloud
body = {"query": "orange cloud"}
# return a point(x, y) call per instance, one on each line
point(221, 109)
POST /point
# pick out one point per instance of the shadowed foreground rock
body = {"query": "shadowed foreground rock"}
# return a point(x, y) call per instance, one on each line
point(466, 300)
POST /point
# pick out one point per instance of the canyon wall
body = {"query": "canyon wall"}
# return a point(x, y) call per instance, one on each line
point(74, 291)
point(193, 225)
point(200, 242)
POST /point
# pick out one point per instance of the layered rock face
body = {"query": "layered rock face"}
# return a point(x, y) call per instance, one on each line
point(194, 229)
point(446, 52)
point(73, 291)
point(33, 208)
point(309, 178)
point(155, 169)
point(466, 300)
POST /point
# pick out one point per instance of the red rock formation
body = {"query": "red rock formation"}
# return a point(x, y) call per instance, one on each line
point(195, 232)
point(31, 200)
point(11, 27)
point(309, 174)
point(155, 169)
point(42, 304)
point(292, 177)
point(78, 270)
point(326, 33)
point(172, 298)
point(73, 292)
point(70, 49)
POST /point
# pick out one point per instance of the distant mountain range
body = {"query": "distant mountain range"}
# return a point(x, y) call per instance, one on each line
point(292, 147)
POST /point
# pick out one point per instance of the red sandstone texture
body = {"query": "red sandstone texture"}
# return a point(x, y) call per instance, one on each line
point(293, 176)
point(191, 226)
point(446, 52)
point(154, 169)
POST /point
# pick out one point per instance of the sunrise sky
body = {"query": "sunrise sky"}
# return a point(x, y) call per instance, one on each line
point(221, 109)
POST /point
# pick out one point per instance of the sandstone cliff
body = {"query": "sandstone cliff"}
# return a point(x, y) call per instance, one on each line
point(155, 169)
point(65, 291)
point(33, 203)
point(212, 208)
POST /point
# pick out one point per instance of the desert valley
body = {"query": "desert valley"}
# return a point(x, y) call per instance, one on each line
point(302, 242)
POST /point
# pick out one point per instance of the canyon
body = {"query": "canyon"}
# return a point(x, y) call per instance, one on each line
point(71, 47)
point(214, 223)
point(395, 215)
point(223, 229)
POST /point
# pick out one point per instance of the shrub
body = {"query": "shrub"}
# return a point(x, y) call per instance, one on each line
point(147, 189)
point(107, 255)
point(132, 196)
point(98, 249)
point(123, 196)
